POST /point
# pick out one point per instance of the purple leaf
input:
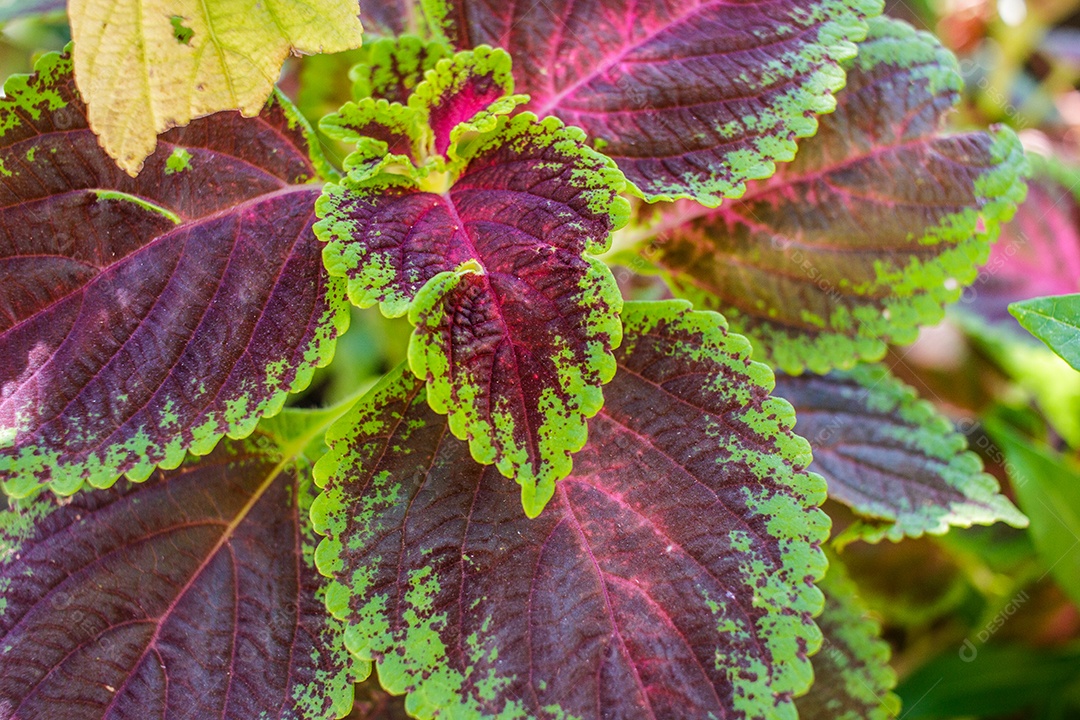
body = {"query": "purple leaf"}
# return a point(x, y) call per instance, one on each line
point(191, 595)
point(670, 577)
point(879, 221)
point(1039, 251)
point(140, 317)
point(690, 98)
point(891, 456)
point(515, 321)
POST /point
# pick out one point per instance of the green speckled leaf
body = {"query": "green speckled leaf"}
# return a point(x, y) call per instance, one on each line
point(394, 67)
point(892, 457)
point(493, 260)
point(852, 677)
point(671, 575)
point(417, 105)
point(192, 595)
point(879, 221)
point(142, 317)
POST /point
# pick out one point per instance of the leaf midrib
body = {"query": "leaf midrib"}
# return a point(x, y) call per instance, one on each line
point(531, 438)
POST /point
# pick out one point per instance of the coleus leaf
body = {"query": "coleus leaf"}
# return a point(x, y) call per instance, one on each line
point(691, 99)
point(1035, 369)
point(1055, 321)
point(463, 93)
point(145, 66)
point(891, 456)
point(515, 320)
point(193, 594)
point(394, 67)
point(671, 573)
point(1039, 250)
point(879, 220)
point(140, 317)
point(852, 677)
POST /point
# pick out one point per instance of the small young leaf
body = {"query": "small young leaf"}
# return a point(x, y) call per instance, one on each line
point(193, 594)
point(879, 221)
point(459, 95)
point(394, 67)
point(465, 93)
point(383, 133)
point(670, 577)
point(145, 67)
point(140, 317)
point(852, 677)
point(691, 99)
point(891, 456)
point(1034, 368)
point(515, 321)
point(1055, 321)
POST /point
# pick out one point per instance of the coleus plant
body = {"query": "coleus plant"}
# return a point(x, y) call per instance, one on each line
point(564, 504)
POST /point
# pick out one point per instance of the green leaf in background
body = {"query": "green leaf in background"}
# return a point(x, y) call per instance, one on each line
point(1039, 372)
point(995, 682)
point(1055, 321)
point(1048, 490)
point(852, 677)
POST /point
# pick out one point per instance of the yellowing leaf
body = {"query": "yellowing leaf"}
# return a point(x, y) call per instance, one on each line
point(144, 66)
